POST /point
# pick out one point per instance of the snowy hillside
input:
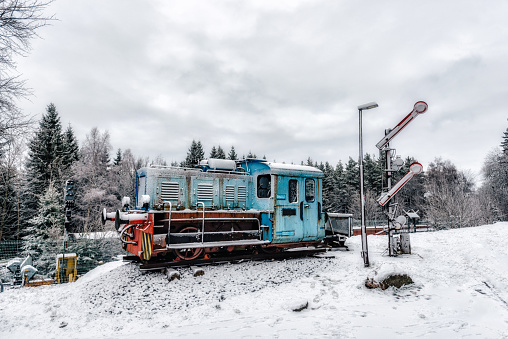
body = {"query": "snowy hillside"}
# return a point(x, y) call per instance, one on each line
point(460, 290)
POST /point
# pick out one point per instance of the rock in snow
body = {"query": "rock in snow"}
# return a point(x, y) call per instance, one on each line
point(460, 289)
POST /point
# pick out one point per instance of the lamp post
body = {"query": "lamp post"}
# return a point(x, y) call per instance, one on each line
point(365, 250)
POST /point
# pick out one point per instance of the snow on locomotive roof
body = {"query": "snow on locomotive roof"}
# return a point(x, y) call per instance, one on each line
point(300, 168)
point(279, 168)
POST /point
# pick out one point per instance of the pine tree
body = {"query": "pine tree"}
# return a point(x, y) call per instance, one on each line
point(232, 154)
point(213, 153)
point(504, 143)
point(44, 230)
point(195, 154)
point(70, 147)
point(352, 175)
point(220, 153)
point(352, 187)
point(251, 155)
point(343, 200)
point(328, 188)
point(200, 152)
point(118, 158)
point(373, 174)
point(46, 159)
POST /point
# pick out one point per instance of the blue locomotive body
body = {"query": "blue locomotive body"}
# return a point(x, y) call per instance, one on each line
point(223, 204)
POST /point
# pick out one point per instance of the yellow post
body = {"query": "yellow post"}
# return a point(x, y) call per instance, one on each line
point(70, 267)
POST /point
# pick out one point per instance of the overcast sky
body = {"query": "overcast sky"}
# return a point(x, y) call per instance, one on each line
point(278, 78)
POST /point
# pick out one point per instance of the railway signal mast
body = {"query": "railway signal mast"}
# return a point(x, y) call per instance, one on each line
point(393, 165)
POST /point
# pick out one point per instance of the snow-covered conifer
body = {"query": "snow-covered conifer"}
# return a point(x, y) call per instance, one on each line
point(195, 154)
point(46, 159)
point(220, 153)
point(213, 153)
point(232, 154)
point(44, 229)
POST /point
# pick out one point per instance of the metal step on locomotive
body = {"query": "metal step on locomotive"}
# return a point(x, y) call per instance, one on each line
point(224, 207)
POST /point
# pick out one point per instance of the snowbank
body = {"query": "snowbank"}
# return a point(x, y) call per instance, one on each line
point(99, 271)
point(460, 289)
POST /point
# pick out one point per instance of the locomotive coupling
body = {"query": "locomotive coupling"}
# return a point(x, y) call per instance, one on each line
point(121, 218)
point(105, 216)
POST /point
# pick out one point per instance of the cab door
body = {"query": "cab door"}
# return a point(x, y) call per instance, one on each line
point(288, 220)
point(310, 208)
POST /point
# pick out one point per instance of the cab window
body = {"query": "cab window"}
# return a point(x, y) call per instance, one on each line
point(264, 185)
point(310, 190)
point(293, 190)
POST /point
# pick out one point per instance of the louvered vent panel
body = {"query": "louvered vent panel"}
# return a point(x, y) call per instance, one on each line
point(242, 194)
point(205, 192)
point(230, 193)
point(169, 191)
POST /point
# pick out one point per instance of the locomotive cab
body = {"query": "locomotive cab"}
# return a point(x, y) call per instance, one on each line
point(290, 199)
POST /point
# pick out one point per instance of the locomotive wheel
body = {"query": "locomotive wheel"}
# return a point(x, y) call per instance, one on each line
point(189, 253)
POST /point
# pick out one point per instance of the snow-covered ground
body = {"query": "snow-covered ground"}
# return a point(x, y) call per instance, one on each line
point(460, 290)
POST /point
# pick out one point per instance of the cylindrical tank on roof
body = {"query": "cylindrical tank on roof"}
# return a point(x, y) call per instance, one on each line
point(219, 164)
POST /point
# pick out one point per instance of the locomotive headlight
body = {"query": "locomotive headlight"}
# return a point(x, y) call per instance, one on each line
point(145, 201)
point(126, 201)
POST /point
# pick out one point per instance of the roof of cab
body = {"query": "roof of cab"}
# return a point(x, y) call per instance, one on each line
point(258, 165)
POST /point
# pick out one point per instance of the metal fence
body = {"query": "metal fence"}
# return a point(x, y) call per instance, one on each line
point(380, 227)
point(10, 249)
point(23, 264)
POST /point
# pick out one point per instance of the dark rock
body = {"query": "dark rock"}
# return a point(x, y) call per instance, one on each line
point(396, 280)
point(301, 307)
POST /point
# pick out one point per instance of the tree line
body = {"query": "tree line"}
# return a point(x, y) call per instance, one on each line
point(31, 192)
point(196, 153)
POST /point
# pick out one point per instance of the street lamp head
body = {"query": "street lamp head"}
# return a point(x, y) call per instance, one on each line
point(367, 106)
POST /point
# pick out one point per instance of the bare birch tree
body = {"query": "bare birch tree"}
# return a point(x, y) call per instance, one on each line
point(19, 23)
point(451, 199)
point(95, 189)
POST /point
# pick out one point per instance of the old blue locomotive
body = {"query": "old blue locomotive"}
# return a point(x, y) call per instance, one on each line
point(225, 206)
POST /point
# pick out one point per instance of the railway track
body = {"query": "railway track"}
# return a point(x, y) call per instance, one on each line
point(289, 254)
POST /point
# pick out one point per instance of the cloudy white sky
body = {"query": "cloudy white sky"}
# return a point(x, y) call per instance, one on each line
point(278, 78)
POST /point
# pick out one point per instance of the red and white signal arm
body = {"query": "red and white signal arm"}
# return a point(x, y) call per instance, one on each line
point(414, 169)
point(419, 108)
